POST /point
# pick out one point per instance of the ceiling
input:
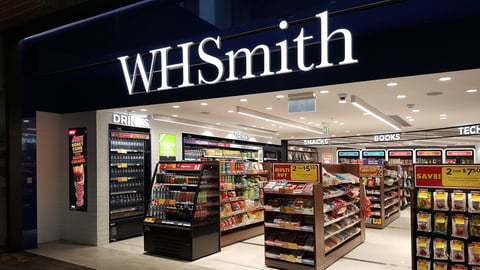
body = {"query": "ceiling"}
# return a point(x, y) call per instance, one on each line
point(440, 103)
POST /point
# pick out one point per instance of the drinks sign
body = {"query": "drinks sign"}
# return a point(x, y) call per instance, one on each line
point(78, 168)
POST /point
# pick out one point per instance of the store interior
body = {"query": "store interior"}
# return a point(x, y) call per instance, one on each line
point(422, 103)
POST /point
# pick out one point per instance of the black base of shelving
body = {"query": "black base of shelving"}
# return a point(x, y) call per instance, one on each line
point(125, 229)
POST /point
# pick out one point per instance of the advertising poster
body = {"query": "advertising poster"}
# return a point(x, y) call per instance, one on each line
point(301, 172)
point(167, 146)
point(78, 168)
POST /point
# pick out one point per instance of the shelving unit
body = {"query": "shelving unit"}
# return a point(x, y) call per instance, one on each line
point(129, 168)
point(308, 225)
point(241, 200)
point(182, 218)
point(445, 217)
point(383, 189)
point(302, 153)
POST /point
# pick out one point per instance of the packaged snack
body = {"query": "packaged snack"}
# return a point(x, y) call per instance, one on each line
point(474, 202)
point(440, 200)
point(423, 246)
point(423, 264)
point(460, 226)
point(459, 267)
point(474, 253)
point(457, 251)
point(475, 268)
point(459, 202)
point(474, 225)
point(424, 199)
point(424, 222)
point(440, 266)
point(440, 249)
point(440, 223)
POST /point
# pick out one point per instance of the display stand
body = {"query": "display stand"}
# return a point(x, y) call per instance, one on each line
point(445, 216)
point(302, 154)
point(308, 225)
point(241, 200)
point(182, 218)
point(383, 189)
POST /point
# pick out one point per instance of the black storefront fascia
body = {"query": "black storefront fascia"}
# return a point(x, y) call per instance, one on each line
point(78, 73)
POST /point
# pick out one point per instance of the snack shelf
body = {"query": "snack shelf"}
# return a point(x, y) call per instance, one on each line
point(383, 189)
point(183, 219)
point(241, 197)
point(335, 223)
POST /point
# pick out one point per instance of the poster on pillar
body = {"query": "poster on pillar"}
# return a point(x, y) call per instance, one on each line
point(78, 169)
point(167, 146)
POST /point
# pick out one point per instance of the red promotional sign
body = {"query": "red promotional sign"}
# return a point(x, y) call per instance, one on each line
point(301, 172)
point(400, 153)
point(429, 153)
point(181, 166)
point(459, 153)
point(428, 176)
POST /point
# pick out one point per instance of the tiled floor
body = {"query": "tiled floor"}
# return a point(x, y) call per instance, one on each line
point(386, 249)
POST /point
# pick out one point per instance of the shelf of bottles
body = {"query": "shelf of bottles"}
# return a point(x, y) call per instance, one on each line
point(383, 191)
point(241, 193)
point(182, 195)
point(127, 174)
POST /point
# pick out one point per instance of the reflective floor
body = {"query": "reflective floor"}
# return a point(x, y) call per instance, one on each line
point(385, 249)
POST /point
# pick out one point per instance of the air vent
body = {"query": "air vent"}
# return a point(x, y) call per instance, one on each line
point(399, 120)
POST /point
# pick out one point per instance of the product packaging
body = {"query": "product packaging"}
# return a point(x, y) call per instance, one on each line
point(474, 253)
point(423, 264)
point(457, 251)
point(440, 223)
point(460, 226)
point(423, 246)
point(440, 249)
point(440, 266)
point(424, 199)
point(474, 225)
point(474, 202)
point(424, 222)
point(440, 200)
point(459, 201)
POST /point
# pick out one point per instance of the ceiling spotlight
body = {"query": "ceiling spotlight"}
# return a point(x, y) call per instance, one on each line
point(401, 96)
point(444, 79)
point(203, 104)
point(342, 98)
point(175, 106)
point(279, 96)
point(392, 84)
point(323, 91)
point(471, 90)
point(243, 100)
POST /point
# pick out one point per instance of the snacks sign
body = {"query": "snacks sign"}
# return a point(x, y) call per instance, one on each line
point(300, 172)
point(449, 176)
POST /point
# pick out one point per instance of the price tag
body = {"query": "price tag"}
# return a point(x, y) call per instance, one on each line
point(304, 173)
point(468, 176)
point(160, 201)
point(457, 245)
point(292, 246)
point(121, 151)
point(122, 165)
point(440, 243)
point(289, 226)
point(149, 220)
point(122, 179)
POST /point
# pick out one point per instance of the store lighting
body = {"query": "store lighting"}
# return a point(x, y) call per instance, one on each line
point(197, 124)
point(362, 105)
point(277, 120)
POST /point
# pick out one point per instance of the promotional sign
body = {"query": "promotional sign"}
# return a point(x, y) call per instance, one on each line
point(78, 168)
point(447, 176)
point(167, 146)
point(301, 172)
point(327, 158)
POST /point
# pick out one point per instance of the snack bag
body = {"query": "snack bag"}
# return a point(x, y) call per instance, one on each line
point(440, 249)
point(424, 199)
point(474, 202)
point(423, 264)
point(474, 253)
point(459, 202)
point(424, 222)
point(440, 266)
point(474, 225)
point(440, 223)
point(440, 200)
point(457, 251)
point(460, 226)
point(423, 246)
point(459, 267)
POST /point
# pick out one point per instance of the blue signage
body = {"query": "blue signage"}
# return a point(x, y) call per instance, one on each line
point(348, 154)
point(374, 154)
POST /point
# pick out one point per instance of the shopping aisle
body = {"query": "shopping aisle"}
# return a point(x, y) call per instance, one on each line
point(386, 249)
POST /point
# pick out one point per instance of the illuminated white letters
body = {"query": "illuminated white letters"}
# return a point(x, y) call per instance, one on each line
point(218, 58)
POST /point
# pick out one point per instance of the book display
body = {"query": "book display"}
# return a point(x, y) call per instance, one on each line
point(383, 190)
point(445, 217)
point(182, 219)
point(241, 200)
point(310, 223)
point(302, 153)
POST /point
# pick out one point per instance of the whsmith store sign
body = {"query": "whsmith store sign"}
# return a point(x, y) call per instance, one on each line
point(154, 68)
point(430, 134)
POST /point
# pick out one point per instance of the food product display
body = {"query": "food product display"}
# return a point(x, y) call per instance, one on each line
point(303, 217)
point(445, 221)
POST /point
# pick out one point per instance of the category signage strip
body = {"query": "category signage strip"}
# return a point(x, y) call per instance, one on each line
point(296, 172)
point(447, 176)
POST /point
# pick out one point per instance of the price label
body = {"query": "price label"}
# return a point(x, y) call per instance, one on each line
point(122, 179)
point(122, 151)
point(460, 176)
point(149, 220)
point(122, 165)
point(304, 173)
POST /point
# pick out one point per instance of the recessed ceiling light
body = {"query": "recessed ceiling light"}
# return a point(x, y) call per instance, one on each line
point(204, 103)
point(243, 100)
point(175, 106)
point(174, 115)
point(218, 124)
point(444, 79)
point(408, 117)
point(301, 118)
point(471, 90)
point(392, 84)
point(268, 108)
point(143, 110)
point(279, 96)
point(347, 131)
point(443, 115)
point(401, 96)
point(230, 111)
point(415, 110)
point(342, 101)
point(310, 123)
point(323, 91)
